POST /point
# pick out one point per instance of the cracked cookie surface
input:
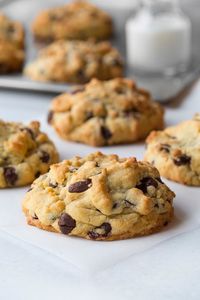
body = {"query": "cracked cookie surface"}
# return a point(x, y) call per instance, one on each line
point(11, 45)
point(25, 153)
point(100, 197)
point(105, 113)
point(175, 151)
point(78, 20)
point(76, 62)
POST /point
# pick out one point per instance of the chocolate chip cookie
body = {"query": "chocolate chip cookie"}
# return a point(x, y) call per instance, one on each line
point(78, 20)
point(25, 153)
point(176, 152)
point(76, 62)
point(100, 197)
point(11, 45)
point(105, 113)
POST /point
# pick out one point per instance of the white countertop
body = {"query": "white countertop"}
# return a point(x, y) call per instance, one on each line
point(169, 270)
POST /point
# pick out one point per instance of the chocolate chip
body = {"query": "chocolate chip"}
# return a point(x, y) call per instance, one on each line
point(30, 132)
point(156, 205)
point(160, 180)
point(10, 29)
point(66, 223)
point(37, 174)
point(81, 76)
point(165, 147)
point(128, 203)
point(145, 182)
point(182, 160)
point(45, 157)
point(53, 185)
point(50, 116)
point(35, 216)
point(89, 115)
point(115, 205)
point(101, 231)
point(76, 91)
point(106, 133)
point(166, 223)
point(80, 186)
point(10, 175)
point(115, 62)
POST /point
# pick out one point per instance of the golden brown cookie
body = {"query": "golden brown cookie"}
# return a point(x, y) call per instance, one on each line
point(11, 45)
point(25, 153)
point(100, 197)
point(175, 151)
point(78, 20)
point(76, 62)
point(105, 113)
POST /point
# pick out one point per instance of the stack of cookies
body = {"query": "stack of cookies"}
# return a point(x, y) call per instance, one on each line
point(97, 197)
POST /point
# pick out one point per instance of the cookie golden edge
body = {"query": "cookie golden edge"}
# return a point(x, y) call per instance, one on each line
point(148, 221)
point(161, 222)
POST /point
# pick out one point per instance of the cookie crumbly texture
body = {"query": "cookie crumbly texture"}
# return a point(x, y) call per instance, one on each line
point(11, 45)
point(100, 197)
point(76, 62)
point(25, 153)
point(175, 151)
point(78, 20)
point(105, 113)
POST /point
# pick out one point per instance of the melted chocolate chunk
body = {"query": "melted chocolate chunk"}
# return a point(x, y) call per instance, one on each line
point(29, 131)
point(106, 133)
point(45, 157)
point(128, 203)
point(105, 227)
point(37, 174)
point(145, 182)
point(35, 216)
point(165, 147)
point(80, 186)
point(66, 223)
point(115, 205)
point(10, 175)
point(50, 116)
point(160, 180)
point(182, 160)
point(89, 115)
point(53, 185)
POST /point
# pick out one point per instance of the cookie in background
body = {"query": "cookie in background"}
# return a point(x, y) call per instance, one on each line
point(11, 45)
point(78, 20)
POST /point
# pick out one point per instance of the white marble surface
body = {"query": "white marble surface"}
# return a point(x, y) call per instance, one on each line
point(168, 270)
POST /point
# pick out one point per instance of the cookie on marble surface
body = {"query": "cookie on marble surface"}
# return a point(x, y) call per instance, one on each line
point(100, 197)
point(175, 151)
point(11, 45)
point(105, 113)
point(25, 153)
point(78, 20)
point(76, 62)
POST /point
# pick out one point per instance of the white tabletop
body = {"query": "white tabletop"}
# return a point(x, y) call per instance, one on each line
point(170, 270)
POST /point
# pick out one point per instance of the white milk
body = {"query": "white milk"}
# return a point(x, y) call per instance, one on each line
point(158, 43)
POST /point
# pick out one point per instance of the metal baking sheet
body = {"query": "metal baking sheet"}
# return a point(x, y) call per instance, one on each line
point(162, 88)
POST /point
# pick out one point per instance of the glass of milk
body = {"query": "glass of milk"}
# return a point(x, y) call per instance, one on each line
point(158, 38)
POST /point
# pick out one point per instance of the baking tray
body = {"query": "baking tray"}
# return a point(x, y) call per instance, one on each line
point(162, 87)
